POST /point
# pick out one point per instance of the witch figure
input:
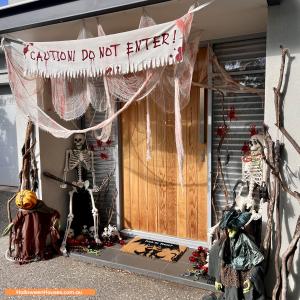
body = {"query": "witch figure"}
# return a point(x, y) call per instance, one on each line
point(235, 261)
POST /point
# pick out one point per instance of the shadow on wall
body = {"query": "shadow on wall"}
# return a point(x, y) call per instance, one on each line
point(4, 196)
point(8, 141)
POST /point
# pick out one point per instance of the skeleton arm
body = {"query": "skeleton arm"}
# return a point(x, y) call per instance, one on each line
point(95, 187)
point(66, 169)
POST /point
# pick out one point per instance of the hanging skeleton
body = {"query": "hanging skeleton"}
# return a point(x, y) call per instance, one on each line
point(254, 176)
point(81, 160)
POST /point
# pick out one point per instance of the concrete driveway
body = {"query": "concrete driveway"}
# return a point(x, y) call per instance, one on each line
point(110, 284)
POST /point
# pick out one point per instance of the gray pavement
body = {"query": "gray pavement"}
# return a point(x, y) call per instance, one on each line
point(62, 272)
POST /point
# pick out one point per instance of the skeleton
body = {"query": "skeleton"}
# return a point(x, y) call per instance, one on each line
point(92, 231)
point(80, 158)
point(254, 173)
point(85, 230)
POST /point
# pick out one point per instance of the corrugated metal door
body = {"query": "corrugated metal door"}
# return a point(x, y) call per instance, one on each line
point(105, 162)
point(245, 62)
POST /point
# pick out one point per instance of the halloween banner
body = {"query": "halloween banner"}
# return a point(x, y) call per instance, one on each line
point(121, 53)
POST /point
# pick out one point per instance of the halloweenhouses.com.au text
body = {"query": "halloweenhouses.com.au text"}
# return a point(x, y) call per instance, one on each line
point(49, 292)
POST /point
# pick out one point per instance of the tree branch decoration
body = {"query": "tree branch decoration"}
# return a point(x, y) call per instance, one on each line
point(222, 132)
point(277, 183)
point(275, 162)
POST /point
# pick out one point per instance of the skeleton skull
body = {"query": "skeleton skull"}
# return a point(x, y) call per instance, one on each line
point(92, 232)
point(84, 230)
point(79, 141)
point(71, 233)
point(255, 142)
point(105, 233)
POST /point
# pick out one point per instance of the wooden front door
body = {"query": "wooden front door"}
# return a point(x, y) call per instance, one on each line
point(153, 199)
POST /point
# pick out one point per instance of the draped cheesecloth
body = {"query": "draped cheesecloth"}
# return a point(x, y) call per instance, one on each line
point(79, 80)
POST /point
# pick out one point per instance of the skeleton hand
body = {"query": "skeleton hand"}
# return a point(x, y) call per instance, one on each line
point(218, 286)
point(247, 286)
point(63, 186)
point(96, 189)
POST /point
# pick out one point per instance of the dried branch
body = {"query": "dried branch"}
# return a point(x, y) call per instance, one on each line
point(278, 100)
point(289, 252)
point(279, 175)
point(26, 163)
point(277, 223)
point(219, 163)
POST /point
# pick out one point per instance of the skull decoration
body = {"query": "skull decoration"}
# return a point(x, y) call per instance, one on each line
point(71, 233)
point(256, 142)
point(79, 141)
point(92, 232)
point(105, 233)
point(85, 230)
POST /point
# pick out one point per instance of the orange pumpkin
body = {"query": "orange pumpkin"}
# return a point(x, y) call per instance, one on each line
point(26, 199)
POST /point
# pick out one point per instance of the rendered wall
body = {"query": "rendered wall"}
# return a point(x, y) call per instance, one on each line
point(52, 157)
point(284, 29)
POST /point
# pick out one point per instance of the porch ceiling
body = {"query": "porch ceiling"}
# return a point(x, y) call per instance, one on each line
point(221, 19)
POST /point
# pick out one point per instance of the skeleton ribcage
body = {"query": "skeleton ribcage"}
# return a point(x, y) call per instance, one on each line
point(253, 171)
point(81, 158)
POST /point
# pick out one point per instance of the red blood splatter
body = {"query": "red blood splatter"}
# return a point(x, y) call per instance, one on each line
point(181, 24)
point(221, 130)
point(108, 71)
point(231, 113)
point(179, 55)
point(26, 48)
point(252, 130)
point(245, 148)
point(103, 156)
point(99, 143)
point(109, 142)
point(70, 88)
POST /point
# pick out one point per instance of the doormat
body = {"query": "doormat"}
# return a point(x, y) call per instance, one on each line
point(154, 249)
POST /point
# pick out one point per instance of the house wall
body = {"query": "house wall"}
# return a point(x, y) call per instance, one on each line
point(284, 29)
point(52, 158)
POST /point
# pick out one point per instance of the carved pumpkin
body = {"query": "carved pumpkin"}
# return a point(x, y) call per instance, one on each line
point(26, 199)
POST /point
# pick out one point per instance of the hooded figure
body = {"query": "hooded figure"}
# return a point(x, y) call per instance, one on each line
point(235, 261)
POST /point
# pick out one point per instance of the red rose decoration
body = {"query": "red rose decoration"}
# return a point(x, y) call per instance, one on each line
point(122, 242)
point(192, 259)
point(200, 248)
point(195, 254)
